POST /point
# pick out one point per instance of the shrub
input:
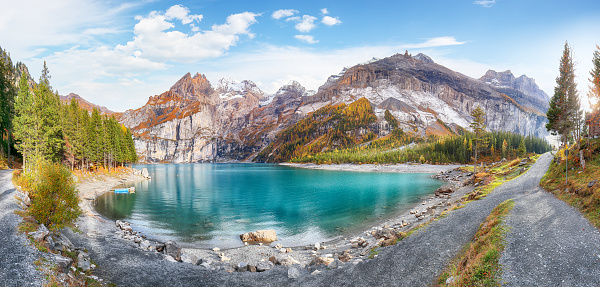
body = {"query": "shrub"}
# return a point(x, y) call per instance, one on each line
point(54, 200)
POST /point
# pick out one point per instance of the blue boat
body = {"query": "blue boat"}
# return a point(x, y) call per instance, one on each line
point(121, 190)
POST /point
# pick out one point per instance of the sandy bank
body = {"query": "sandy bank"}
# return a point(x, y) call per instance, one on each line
point(397, 168)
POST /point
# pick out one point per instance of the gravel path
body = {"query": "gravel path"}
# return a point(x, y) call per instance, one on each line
point(549, 244)
point(16, 256)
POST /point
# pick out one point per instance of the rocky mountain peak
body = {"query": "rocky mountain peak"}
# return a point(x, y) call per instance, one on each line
point(85, 104)
point(194, 88)
point(292, 88)
point(423, 58)
point(523, 83)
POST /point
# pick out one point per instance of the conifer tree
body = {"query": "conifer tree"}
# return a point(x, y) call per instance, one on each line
point(47, 108)
point(7, 98)
point(25, 123)
point(522, 150)
point(564, 114)
point(504, 148)
point(478, 126)
point(594, 93)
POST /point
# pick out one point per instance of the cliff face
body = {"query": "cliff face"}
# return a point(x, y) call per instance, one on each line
point(196, 121)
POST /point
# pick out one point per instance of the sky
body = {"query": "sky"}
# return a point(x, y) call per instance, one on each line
point(119, 53)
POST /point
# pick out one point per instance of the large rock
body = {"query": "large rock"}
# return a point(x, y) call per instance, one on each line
point(323, 261)
point(40, 234)
point(264, 266)
point(83, 261)
point(63, 264)
point(259, 236)
point(60, 243)
point(173, 250)
point(445, 189)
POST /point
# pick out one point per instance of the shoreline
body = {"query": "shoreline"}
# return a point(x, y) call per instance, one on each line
point(430, 206)
point(392, 168)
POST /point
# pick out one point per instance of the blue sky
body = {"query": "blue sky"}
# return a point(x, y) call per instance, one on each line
point(118, 53)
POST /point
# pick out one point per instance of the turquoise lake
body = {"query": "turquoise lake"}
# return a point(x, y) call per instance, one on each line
point(209, 204)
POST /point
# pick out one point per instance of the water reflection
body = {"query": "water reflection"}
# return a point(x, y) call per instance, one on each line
point(214, 203)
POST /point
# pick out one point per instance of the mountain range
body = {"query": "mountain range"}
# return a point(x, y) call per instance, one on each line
point(196, 120)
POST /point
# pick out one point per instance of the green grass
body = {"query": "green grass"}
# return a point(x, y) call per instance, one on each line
point(477, 264)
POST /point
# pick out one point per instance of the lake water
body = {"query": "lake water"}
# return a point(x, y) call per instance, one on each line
point(211, 204)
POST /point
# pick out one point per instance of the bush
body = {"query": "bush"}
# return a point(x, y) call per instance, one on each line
point(54, 200)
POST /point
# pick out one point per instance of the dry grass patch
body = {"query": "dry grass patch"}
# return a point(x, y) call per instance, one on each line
point(477, 264)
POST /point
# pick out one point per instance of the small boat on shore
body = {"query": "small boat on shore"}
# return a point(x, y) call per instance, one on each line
point(125, 190)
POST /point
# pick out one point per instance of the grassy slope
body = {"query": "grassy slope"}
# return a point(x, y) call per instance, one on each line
point(576, 192)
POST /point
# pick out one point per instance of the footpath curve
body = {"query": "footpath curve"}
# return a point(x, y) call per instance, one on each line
point(549, 243)
point(16, 255)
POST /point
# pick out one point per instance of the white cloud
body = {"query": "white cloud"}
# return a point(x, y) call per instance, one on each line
point(26, 25)
point(306, 38)
point(330, 21)
point(324, 11)
point(295, 18)
point(435, 42)
point(283, 13)
point(485, 3)
point(182, 13)
point(307, 24)
point(154, 37)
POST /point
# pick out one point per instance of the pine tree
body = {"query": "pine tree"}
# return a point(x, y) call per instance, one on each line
point(564, 114)
point(504, 148)
point(594, 90)
point(7, 99)
point(478, 126)
point(25, 123)
point(522, 150)
point(47, 105)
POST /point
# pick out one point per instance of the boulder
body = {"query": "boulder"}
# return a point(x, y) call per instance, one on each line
point(264, 266)
point(40, 234)
point(273, 260)
point(145, 245)
point(317, 246)
point(346, 256)
point(592, 183)
point(445, 189)
point(385, 233)
point(83, 261)
point(288, 261)
point(173, 250)
point(160, 247)
point(322, 261)
point(293, 273)
point(259, 236)
point(242, 267)
point(61, 243)
point(251, 268)
point(63, 264)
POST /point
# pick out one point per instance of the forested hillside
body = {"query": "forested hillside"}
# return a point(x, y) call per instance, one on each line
point(36, 125)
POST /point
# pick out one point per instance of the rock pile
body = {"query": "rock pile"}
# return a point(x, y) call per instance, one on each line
point(126, 232)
